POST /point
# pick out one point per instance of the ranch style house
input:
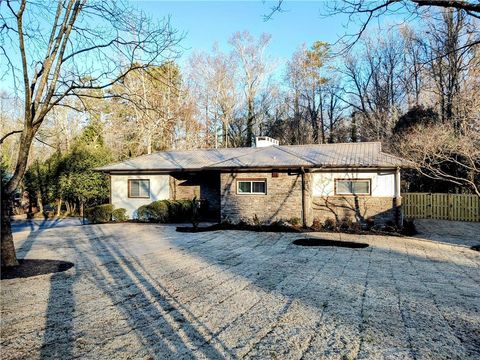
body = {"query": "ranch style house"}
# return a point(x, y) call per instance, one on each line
point(268, 182)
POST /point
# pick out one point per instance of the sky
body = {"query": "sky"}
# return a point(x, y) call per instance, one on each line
point(204, 23)
point(207, 22)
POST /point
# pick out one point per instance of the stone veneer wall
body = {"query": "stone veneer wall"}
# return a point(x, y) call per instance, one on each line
point(282, 201)
point(360, 208)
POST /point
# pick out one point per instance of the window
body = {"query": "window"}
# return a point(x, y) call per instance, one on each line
point(139, 188)
point(251, 187)
point(352, 186)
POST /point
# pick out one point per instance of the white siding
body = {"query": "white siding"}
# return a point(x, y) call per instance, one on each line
point(383, 182)
point(159, 190)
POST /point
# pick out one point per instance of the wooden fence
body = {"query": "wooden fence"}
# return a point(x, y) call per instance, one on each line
point(461, 207)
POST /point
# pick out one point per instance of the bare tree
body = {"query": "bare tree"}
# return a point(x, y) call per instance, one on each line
point(214, 78)
point(251, 56)
point(365, 12)
point(440, 152)
point(373, 86)
point(66, 55)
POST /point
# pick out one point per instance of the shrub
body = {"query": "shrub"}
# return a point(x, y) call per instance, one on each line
point(409, 227)
point(143, 213)
point(119, 215)
point(295, 221)
point(164, 211)
point(317, 224)
point(156, 211)
point(180, 210)
point(99, 214)
point(349, 225)
point(329, 224)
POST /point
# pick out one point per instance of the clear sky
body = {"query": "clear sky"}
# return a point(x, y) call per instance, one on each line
point(207, 22)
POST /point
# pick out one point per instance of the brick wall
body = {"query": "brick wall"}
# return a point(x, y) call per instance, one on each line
point(282, 201)
point(360, 208)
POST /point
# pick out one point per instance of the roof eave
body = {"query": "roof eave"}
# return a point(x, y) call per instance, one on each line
point(250, 168)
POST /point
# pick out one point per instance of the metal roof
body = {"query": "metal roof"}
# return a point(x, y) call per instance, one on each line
point(348, 155)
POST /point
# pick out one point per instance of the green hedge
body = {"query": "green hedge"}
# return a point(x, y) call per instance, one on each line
point(119, 215)
point(166, 211)
point(105, 213)
point(99, 214)
point(156, 211)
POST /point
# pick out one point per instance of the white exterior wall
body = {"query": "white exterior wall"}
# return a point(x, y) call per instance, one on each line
point(159, 190)
point(382, 182)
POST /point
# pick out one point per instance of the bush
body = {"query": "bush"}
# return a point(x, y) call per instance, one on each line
point(317, 224)
point(329, 224)
point(156, 211)
point(295, 221)
point(180, 210)
point(164, 211)
point(409, 228)
point(119, 215)
point(99, 214)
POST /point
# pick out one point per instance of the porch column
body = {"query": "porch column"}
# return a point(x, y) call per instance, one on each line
point(307, 213)
point(398, 199)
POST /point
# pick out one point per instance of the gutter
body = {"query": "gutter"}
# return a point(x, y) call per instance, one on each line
point(319, 168)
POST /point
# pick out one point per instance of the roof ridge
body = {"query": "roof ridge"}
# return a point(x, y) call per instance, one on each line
point(335, 144)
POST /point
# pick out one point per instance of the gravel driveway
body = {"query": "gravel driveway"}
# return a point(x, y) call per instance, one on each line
point(145, 291)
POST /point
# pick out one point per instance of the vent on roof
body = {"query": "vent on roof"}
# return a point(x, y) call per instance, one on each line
point(263, 141)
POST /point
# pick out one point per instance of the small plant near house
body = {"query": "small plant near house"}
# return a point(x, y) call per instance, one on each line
point(256, 220)
point(195, 212)
point(295, 221)
point(409, 228)
point(99, 214)
point(329, 224)
point(119, 215)
point(317, 224)
point(368, 224)
point(349, 225)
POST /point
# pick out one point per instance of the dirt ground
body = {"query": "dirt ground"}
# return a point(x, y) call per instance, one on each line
point(141, 291)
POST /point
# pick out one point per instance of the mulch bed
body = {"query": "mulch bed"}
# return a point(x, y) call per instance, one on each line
point(34, 267)
point(324, 242)
point(245, 227)
point(279, 227)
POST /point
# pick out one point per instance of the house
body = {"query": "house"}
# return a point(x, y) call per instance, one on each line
point(267, 182)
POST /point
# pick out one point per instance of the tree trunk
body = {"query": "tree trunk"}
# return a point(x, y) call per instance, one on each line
point(8, 258)
point(250, 123)
point(40, 201)
point(59, 207)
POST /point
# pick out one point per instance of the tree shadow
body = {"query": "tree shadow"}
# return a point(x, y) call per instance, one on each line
point(150, 310)
point(167, 327)
point(27, 244)
point(448, 311)
point(59, 336)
